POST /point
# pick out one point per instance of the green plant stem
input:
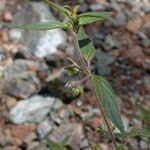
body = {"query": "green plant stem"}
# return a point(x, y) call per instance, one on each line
point(78, 53)
point(87, 71)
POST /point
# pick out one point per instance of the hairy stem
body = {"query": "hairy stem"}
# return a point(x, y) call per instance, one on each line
point(87, 71)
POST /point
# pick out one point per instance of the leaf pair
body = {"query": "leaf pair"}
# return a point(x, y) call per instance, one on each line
point(83, 19)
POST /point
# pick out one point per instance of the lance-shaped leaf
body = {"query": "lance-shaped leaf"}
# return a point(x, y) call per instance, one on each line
point(106, 98)
point(90, 17)
point(86, 46)
point(138, 132)
point(52, 145)
point(58, 7)
point(40, 26)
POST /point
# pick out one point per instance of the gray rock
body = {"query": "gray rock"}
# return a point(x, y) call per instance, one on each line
point(37, 43)
point(20, 88)
point(1, 88)
point(22, 77)
point(37, 146)
point(84, 143)
point(44, 128)
point(30, 138)
point(144, 40)
point(96, 7)
point(58, 104)
point(5, 140)
point(34, 109)
point(73, 131)
point(121, 19)
point(104, 60)
point(83, 7)
point(146, 81)
point(21, 67)
point(2, 6)
point(2, 54)
point(110, 42)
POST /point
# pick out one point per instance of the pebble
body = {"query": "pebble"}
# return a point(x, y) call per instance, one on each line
point(34, 109)
point(73, 131)
point(44, 128)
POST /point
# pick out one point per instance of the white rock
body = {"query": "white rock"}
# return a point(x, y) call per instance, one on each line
point(37, 43)
point(31, 110)
point(49, 42)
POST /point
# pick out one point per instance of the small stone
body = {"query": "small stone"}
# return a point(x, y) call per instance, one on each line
point(144, 40)
point(83, 7)
point(104, 60)
point(134, 25)
point(147, 83)
point(96, 7)
point(6, 140)
point(86, 115)
point(136, 55)
point(30, 138)
point(84, 143)
point(2, 5)
point(37, 146)
point(104, 146)
point(15, 35)
point(21, 89)
point(94, 122)
point(143, 145)
point(58, 104)
point(1, 87)
point(74, 131)
point(120, 19)
point(15, 147)
point(146, 21)
point(58, 121)
point(7, 16)
point(34, 109)
point(21, 131)
point(33, 145)
point(11, 101)
point(44, 128)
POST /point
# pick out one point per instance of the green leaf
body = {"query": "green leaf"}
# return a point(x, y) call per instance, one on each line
point(52, 145)
point(120, 147)
point(71, 70)
point(107, 100)
point(65, 140)
point(58, 7)
point(86, 46)
point(90, 17)
point(138, 132)
point(40, 26)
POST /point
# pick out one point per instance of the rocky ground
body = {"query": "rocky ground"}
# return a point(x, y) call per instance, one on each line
point(33, 101)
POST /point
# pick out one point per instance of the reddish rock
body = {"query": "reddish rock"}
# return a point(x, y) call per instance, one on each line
point(32, 67)
point(94, 122)
point(134, 25)
point(7, 16)
point(146, 21)
point(136, 55)
point(77, 110)
point(21, 131)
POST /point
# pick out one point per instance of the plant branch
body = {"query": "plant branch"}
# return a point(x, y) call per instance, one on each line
point(88, 73)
